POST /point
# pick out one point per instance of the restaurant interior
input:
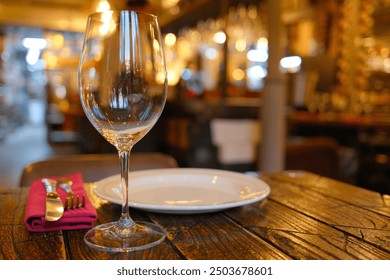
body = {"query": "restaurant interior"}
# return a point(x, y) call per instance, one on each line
point(327, 63)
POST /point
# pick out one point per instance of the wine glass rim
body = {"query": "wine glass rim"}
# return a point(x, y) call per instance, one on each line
point(94, 14)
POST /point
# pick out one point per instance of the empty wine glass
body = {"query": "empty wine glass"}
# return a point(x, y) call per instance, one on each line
point(123, 87)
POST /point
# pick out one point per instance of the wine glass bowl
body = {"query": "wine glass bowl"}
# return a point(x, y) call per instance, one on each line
point(123, 88)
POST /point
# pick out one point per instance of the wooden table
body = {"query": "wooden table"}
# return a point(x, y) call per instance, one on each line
point(305, 217)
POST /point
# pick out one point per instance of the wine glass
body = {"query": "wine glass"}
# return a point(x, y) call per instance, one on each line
point(123, 87)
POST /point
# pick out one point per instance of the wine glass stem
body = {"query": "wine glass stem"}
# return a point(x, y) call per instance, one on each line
point(125, 221)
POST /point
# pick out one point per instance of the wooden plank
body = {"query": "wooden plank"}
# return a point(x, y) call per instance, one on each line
point(368, 199)
point(300, 236)
point(78, 250)
point(214, 236)
point(334, 212)
point(18, 243)
point(8, 200)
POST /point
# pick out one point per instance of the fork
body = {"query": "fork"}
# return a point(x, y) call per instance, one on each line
point(71, 201)
point(75, 202)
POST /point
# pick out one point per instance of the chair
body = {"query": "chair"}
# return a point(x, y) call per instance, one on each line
point(319, 155)
point(93, 167)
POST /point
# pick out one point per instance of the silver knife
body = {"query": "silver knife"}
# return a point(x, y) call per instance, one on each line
point(54, 207)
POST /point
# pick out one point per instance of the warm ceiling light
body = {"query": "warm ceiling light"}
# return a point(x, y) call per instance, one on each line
point(103, 5)
point(238, 74)
point(262, 43)
point(58, 41)
point(170, 39)
point(219, 37)
point(167, 4)
point(240, 45)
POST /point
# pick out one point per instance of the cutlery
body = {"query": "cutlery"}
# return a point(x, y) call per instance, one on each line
point(54, 208)
point(71, 201)
point(75, 203)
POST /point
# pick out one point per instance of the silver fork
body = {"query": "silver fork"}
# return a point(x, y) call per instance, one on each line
point(76, 202)
point(71, 201)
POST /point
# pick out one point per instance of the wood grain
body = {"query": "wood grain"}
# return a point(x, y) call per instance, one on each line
point(305, 217)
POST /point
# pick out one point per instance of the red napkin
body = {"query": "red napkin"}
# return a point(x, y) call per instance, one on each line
point(79, 218)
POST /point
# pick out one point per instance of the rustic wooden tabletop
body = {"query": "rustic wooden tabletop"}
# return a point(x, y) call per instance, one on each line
point(305, 217)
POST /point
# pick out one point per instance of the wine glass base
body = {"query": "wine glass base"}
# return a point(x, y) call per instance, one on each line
point(111, 237)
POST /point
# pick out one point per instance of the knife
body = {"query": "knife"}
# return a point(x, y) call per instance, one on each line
point(54, 207)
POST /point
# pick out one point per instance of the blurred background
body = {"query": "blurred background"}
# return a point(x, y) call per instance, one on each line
point(335, 74)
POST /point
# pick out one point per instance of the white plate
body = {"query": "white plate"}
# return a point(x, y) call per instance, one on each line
point(185, 190)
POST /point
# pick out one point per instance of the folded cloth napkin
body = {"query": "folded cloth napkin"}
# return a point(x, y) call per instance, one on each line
point(79, 218)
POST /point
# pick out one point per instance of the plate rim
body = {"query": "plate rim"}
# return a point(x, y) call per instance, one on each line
point(184, 209)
